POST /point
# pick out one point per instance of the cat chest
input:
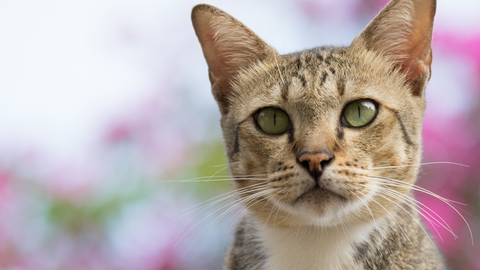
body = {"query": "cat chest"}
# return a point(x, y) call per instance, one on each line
point(311, 249)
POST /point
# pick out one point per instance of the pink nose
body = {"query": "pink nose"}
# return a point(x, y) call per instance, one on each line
point(315, 163)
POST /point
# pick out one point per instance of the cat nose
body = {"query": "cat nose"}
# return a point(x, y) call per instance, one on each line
point(315, 163)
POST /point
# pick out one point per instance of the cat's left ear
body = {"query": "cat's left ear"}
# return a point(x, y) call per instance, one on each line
point(402, 31)
point(228, 46)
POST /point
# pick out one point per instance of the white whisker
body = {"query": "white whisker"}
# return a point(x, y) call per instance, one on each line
point(227, 195)
point(272, 210)
point(279, 69)
point(410, 186)
point(400, 226)
point(268, 72)
point(368, 208)
point(413, 201)
point(385, 197)
point(420, 189)
point(248, 198)
point(235, 203)
point(420, 164)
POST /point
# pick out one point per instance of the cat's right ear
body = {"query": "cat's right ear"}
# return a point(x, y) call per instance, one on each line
point(402, 31)
point(228, 46)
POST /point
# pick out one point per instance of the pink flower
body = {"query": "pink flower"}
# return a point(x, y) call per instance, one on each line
point(464, 46)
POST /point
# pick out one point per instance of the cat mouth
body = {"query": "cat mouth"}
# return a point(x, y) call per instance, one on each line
point(319, 191)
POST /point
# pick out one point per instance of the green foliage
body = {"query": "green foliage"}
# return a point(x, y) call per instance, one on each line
point(208, 174)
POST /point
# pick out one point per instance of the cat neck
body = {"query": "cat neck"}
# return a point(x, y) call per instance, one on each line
point(313, 247)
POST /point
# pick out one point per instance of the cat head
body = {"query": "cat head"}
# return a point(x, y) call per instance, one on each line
point(321, 136)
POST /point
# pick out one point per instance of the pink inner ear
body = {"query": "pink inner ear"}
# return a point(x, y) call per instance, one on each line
point(213, 55)
point(403, 32)
point(419, 57)
point(228, 46)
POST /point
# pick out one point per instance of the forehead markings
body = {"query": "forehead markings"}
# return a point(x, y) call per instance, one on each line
point(284, 91)
point(324, 78)
point(341, 86)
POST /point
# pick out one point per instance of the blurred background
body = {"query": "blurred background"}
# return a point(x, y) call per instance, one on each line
point(105, 107)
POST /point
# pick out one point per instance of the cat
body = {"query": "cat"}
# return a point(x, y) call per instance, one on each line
point(321, 142)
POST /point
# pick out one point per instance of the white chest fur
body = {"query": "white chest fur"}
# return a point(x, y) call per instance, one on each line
point(312, 248)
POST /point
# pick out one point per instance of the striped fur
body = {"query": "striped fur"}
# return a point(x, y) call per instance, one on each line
point(362, 217)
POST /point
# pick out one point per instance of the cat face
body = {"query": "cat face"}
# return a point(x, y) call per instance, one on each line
point(321, 137)
point(314, 94)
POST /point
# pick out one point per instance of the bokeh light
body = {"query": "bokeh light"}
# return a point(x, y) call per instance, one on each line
point(105, 107)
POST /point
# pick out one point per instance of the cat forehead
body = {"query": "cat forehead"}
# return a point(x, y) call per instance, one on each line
point(318, 77)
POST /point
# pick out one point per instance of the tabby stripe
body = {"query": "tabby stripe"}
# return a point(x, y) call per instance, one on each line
point(298, 63)
point(341, 86)
point(324, 78)
point(236, 146)
point(406, 137)
point(284, 91)
point(319, 57)
point(304, 81)
point(404, 131)
point(328, 59)
point(340, 131)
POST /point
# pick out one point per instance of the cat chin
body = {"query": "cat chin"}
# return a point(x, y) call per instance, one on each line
point(319, 196)
point(319, 207)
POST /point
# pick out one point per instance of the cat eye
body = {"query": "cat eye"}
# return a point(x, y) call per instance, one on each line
point(272, 120)
point(359, 113)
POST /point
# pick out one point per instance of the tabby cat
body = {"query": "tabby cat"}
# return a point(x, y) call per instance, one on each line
point(321, 142)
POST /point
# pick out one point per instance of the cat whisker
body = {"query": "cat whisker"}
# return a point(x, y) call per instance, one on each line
point(235, 216)
point(227, 195)
point(268, 72)
point(224, 206)
point(391, 215)
point(421, 212)
point(217, 178)
point(411, 186)
point(368, 208)
point(275, 206)
point(247, 200)
point(231, 194)
point(204, 206)
point(279, 68)
point(408, 200)
point(417, 188)
point(214, 180)
point(420, 164)
point(401, 207)
point(342, 223)
point(422, 207)
point(227, 164)
point(246, 205)
point(216, 173)
point(398, 183)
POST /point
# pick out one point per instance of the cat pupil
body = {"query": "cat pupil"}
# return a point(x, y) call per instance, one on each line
point(358, 111)
point(275, 119)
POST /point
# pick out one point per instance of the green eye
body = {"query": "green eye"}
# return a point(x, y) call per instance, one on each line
point(272, 120)
point(359, 113)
